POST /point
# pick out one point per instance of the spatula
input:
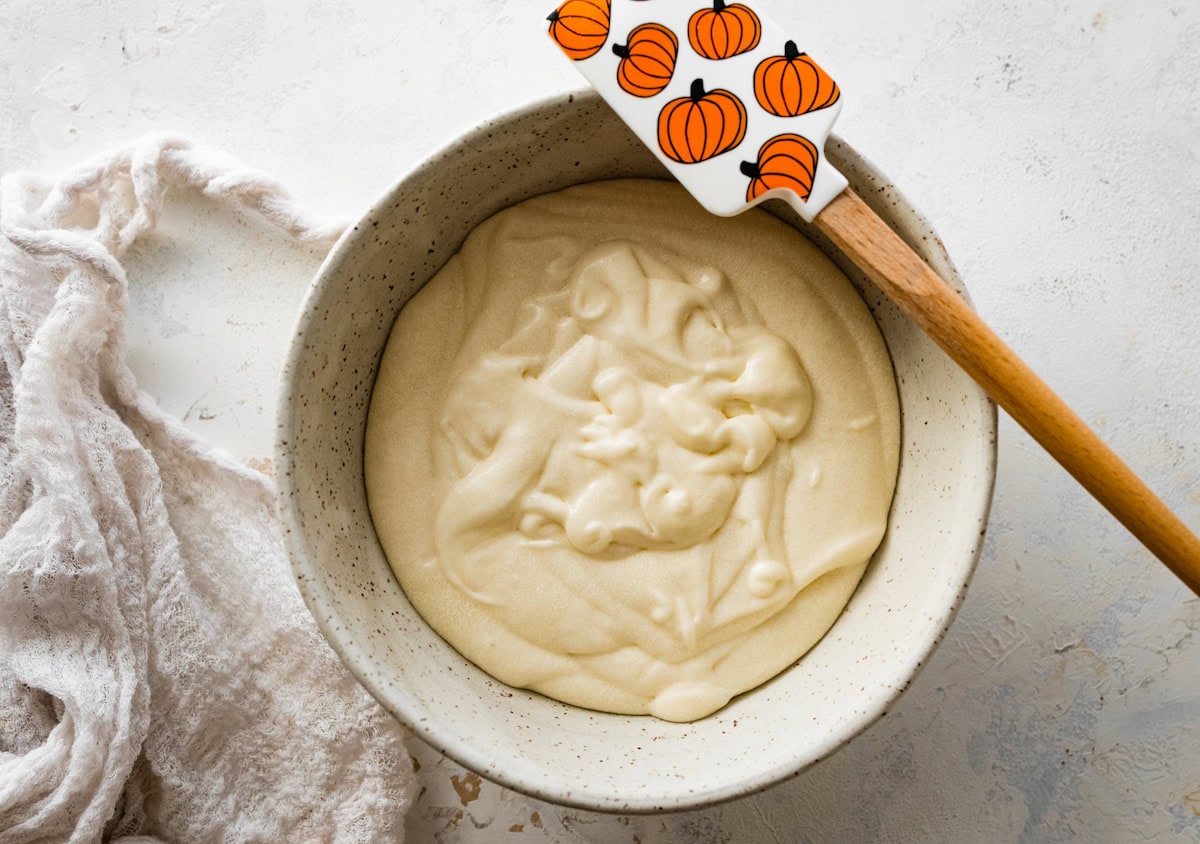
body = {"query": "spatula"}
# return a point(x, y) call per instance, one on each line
point(738, 114)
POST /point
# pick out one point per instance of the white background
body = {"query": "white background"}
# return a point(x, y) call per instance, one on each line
point(1055, 144)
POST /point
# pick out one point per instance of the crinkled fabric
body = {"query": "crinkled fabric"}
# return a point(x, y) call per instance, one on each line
point(160, 678)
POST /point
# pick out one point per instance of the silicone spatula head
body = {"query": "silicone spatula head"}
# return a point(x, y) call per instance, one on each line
point(728, 102)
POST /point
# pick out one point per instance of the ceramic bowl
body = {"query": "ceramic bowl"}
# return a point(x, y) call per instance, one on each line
point(532, 744)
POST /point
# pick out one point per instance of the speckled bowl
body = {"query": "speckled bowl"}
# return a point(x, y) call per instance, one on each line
point(527, 742)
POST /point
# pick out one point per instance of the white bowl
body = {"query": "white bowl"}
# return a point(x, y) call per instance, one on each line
point(557, 752)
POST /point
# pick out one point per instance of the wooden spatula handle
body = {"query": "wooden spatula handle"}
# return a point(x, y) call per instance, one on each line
point(932, 304)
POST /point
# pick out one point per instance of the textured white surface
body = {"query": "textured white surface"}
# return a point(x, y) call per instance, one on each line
point(1052, 143)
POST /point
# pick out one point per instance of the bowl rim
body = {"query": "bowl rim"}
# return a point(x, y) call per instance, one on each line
point(302, 559)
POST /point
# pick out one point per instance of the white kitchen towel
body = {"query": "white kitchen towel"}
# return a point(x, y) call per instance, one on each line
point(160, 678)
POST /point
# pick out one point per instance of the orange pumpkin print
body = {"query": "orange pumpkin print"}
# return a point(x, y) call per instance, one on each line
point(793, 84)
point(702, 125)
point(580, 27)
point(785, 161)
point(647, 60)
point(724, 31)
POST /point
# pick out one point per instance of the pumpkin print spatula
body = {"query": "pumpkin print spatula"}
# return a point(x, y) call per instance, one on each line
point(739, 113)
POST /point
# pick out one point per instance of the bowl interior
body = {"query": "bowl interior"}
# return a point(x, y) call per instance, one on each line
point(527, 742)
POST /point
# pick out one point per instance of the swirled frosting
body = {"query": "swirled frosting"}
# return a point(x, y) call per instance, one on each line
point(630, 455)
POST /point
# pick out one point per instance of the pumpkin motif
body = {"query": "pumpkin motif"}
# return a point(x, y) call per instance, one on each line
point(580, 27)
point(647, 60)
point(793, 84)
point(785, 161)
point(724, 31)
point(702, 125)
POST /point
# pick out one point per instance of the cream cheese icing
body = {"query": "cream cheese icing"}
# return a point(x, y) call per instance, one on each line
point(630, 455)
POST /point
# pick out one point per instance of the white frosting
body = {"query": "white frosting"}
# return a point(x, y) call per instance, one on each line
point(600, 469)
